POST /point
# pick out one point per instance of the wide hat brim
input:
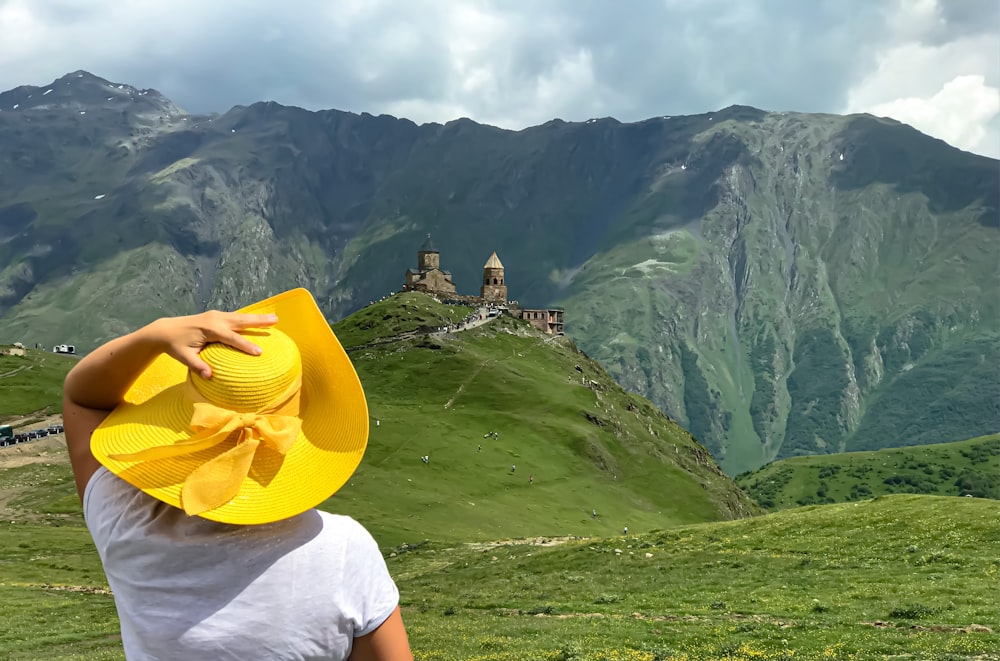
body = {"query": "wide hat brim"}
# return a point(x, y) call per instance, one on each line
point(334, 434)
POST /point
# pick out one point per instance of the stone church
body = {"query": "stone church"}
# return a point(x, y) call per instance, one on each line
point(429, 277)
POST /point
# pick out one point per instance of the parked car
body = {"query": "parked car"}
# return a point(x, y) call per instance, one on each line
point(55, 429)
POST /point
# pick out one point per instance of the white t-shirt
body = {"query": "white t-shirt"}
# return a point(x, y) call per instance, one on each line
point(187, 588)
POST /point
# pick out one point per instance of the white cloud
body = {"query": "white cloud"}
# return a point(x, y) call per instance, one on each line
point(963, 113)
point(19, 27)
point(515, 64)
point(947, 88)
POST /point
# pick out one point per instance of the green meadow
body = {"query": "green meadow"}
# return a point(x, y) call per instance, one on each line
point(962, 468)
point(901, 577)
point(492, 566)
point(32, 383)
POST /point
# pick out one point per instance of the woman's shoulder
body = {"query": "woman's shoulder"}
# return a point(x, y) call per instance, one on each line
point(342, 524)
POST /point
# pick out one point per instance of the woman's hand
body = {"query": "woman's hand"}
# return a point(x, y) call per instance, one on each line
point(98, 383)
point(183, 338)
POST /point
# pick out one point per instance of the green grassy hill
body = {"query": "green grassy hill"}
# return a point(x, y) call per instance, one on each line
point(960, 468)
point(582, 441)
point(480, 403)
point(32, 382)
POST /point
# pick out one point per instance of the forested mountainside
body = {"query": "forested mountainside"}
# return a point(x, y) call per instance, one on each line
point(779, 283)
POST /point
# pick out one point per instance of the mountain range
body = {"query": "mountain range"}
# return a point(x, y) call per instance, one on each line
point(779, 283)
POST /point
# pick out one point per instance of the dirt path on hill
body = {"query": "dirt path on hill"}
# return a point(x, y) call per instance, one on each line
point(471, 378)
point(527, 541)
point(481, 319)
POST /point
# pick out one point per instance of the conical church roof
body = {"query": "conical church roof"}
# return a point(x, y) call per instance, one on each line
point(493, 262)
point(428, 245)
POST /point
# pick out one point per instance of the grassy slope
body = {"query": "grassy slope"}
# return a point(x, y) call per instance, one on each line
point(950, 382)
point(911, 577)
point(440, 396)
point(46, 544)
point(946, 469)
point(32, 383)
point(807, 583)
point(153, 273)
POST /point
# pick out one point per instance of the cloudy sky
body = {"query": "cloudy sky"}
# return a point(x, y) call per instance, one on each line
point(932, 63)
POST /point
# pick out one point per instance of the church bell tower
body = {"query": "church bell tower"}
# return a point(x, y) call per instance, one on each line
point(494, 290)
point(428, 256)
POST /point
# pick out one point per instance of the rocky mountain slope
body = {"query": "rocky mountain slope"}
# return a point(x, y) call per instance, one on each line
point(780, 283)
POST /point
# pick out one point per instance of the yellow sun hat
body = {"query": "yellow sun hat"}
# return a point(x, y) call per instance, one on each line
point(266, 438)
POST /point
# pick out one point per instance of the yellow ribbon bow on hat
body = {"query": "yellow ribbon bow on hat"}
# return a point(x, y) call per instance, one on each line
point(218, 480)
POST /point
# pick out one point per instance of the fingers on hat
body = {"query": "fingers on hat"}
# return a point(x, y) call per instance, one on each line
point(240, 342)
point(239, 321)
point(242, 320)
point(192, 360)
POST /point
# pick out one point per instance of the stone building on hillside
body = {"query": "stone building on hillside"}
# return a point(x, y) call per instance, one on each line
point(428, 276)
point(548, 321)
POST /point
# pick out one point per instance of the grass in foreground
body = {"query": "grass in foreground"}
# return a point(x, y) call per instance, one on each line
point(902, 577)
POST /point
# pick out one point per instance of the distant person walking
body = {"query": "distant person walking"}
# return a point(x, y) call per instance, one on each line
point(594, 515)
point(625, 532)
